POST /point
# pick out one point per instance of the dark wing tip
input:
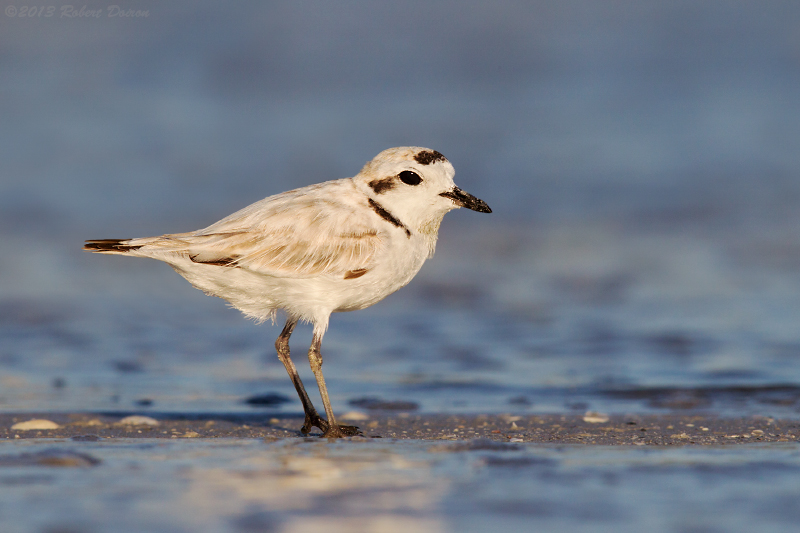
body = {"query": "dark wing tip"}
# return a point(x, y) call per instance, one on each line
point(108, 245)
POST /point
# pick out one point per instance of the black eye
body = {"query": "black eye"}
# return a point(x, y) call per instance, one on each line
point(410, 178)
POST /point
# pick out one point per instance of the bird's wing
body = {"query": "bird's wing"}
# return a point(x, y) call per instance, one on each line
point(301, 233)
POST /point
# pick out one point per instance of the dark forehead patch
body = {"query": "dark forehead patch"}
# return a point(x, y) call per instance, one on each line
point(383, 185)
point(426, 157)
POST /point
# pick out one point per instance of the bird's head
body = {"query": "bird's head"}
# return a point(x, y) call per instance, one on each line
point(415, 185)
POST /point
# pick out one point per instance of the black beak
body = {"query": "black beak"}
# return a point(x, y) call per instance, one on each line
point(465, 199)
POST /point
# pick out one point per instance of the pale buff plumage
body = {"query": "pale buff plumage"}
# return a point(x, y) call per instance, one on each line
point(336, 246)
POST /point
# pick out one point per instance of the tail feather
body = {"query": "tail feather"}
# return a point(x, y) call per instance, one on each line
point(109, 246)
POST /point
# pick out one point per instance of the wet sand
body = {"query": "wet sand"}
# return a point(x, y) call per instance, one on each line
point(587, 429)
point(172, 471)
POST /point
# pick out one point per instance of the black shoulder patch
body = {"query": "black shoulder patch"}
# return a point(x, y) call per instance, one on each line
point(426, 157)
point(388, 217)
point(383, 185)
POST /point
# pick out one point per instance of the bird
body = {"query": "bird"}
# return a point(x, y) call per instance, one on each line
point(336, 246)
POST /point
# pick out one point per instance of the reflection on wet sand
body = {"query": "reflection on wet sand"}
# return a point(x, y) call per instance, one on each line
point(249, 485)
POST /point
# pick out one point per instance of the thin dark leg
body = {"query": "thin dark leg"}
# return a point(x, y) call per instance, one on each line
point(315, 360)
point(282, 346)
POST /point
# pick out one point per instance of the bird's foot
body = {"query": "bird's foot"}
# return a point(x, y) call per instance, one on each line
point(336, 431)
point(313, 420)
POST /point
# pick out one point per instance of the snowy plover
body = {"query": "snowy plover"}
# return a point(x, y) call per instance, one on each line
point(336, 246)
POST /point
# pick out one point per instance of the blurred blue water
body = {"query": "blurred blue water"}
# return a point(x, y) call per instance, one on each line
point(641, 161)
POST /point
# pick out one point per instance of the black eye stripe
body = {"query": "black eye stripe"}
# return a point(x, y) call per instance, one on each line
point(410, 178)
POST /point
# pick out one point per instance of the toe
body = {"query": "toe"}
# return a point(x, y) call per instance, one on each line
point(350, 431)
point(338, 432)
